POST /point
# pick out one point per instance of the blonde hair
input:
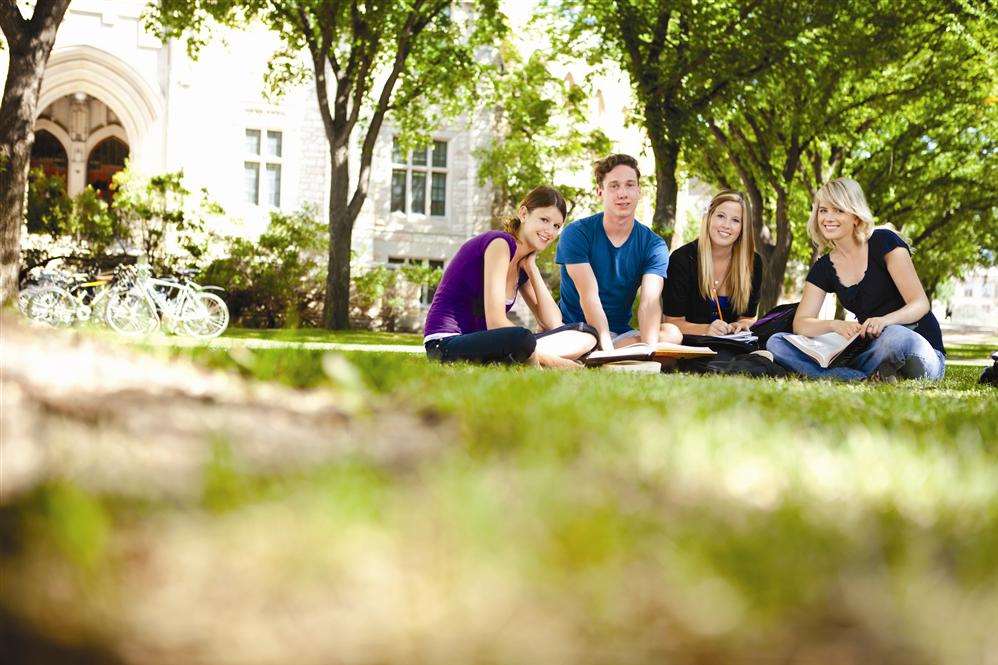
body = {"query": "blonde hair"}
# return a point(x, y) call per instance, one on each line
point(739, 278)
point(846, 195)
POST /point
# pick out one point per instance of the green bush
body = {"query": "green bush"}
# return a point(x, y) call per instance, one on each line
point(279, 280)
point(155, 216)
point(158, 217)
point(380, 296)
point(48, 207)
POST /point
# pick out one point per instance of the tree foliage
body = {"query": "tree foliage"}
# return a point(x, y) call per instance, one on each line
point(683, 58)
point(539, 126)
point(837, 105)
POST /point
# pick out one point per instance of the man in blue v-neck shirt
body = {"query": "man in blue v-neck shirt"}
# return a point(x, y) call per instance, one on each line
point(605, 259)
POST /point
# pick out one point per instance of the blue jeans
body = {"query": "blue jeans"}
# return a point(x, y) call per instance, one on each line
point(899, 350)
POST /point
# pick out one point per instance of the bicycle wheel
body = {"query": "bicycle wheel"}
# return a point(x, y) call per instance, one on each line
point(24, 297)
point(204, 315)
point(130, 313)
point(50, 305)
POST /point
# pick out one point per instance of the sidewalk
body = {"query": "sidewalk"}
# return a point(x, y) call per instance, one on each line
point(959, 334)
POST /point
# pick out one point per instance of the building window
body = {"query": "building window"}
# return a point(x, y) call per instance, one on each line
point(425, 292)
point(264, 156)
point(419, 180)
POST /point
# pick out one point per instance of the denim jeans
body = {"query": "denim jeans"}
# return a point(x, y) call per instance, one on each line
point(899, 350)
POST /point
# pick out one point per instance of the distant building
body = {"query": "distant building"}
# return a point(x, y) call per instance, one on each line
point(974, 300)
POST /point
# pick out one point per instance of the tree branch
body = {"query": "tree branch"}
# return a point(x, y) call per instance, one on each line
point(414, 26)
point(47, 16)
point(13, 24)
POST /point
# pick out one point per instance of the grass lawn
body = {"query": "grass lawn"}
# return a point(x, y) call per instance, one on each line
point(321, 335)
point(596, 517)
point(970, 351)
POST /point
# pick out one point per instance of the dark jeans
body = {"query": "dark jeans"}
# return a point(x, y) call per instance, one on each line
point(499, 345)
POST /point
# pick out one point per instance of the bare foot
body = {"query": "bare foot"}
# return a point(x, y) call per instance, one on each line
point(555, 362)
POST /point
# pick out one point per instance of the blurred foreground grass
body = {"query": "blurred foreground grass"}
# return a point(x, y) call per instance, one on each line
point(585, 517)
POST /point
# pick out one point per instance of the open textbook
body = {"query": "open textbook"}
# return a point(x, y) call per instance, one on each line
point(642, 366)
point(831, 349)
point(644, 351)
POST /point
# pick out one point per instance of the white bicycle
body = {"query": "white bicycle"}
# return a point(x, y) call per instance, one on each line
point(60, 298)
point(176, 304)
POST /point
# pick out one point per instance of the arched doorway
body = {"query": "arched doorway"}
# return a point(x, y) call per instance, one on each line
point(107, 158)
point(94, 142)
point(49, 155)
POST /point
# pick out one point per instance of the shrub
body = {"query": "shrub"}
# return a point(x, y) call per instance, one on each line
point(48, 207)
point(382, 298)
point(155, 216)
point(159, 218)
point(278, 281)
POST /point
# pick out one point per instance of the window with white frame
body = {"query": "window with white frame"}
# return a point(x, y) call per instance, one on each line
point(419, 180)
point(425, 292)
point(262, 164)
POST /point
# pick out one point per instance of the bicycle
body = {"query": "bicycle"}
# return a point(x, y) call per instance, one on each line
point(60, 298)
point(176, 304)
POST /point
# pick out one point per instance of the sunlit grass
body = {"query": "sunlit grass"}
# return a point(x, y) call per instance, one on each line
point(585, 517)
point(322, 335)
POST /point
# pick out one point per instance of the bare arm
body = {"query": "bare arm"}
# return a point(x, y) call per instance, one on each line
point(650, 307)
point(902, 270)
point(585, 282)
point(537, 296)
point(806, 321)
point(496, 267)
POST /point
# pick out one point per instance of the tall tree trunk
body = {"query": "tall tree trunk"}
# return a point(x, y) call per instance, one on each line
point(775, 259)
point(666, 187)
point(662, 134)
point(30, 43)
point(336, 305)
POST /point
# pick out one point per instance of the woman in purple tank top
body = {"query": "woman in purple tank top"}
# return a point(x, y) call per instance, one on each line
point(469, 317)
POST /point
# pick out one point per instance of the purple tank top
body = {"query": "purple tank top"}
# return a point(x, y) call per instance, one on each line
point(458, 305)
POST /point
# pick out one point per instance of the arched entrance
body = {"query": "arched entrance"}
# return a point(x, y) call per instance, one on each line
point(107, 158)
point(49, 155)
point(93, 139)
point(89, 96)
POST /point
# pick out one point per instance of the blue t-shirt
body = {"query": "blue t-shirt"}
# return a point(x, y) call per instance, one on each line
point(618, 270)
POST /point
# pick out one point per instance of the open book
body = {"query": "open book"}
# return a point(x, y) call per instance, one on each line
point(646, 352)
point(640, 366)
point(830, 349)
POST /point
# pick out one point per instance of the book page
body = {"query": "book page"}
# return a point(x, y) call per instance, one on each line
point(822, 348)
point(670, 350)
point(630, 351)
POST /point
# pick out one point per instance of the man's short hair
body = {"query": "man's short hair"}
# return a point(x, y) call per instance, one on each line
point(607, 164)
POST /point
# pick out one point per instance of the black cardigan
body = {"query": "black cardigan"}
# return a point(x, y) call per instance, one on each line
point(682, 289)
